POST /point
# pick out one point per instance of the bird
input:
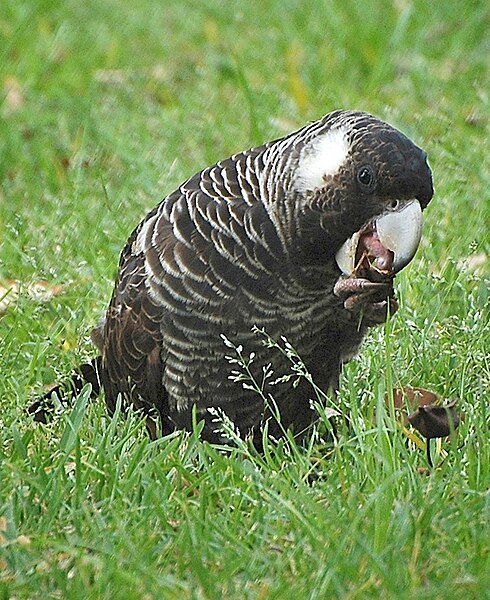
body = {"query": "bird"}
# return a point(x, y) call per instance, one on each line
point(300, 238)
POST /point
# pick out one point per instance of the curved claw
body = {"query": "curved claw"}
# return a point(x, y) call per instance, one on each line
point(347, 287)
point(373, 300)
point(375, 313)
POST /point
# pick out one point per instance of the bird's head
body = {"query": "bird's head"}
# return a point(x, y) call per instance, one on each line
point(356, 177)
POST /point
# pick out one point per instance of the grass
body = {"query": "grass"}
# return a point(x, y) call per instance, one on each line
point(107, 106)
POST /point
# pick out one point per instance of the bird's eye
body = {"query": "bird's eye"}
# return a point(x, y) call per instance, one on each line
point(365, 176)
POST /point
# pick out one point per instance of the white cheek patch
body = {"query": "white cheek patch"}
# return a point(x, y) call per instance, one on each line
point(321, 159)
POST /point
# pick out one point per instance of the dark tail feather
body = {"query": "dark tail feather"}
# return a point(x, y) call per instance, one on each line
point(83, 374)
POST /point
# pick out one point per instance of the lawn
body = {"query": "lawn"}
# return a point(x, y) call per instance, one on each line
point(105, 107)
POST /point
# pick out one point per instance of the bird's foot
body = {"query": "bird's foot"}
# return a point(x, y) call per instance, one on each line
point(374, 300)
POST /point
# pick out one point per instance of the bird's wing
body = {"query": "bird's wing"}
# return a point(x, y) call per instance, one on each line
point(180, 269)
point(131, 337)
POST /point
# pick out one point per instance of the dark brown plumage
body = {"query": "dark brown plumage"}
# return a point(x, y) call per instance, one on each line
point(251, 242)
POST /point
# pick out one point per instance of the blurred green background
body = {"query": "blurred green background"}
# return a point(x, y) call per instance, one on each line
point(105, 107)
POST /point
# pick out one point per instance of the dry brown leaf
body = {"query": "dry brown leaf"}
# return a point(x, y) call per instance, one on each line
point(413, 397)
point(435, 421)
point(8, 295)
point(111, 76)
point(23, 540)
point(3, 529)
point(474, 263)
point(426, 414)
point(14, 97)
point(41, 291)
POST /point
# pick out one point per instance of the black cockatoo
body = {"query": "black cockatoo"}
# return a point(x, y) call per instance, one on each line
point(301, 237)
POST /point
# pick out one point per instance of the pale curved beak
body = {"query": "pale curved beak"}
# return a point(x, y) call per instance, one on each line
point(399, 231)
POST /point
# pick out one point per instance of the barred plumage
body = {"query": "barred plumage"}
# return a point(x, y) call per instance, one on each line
point(251, 241)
